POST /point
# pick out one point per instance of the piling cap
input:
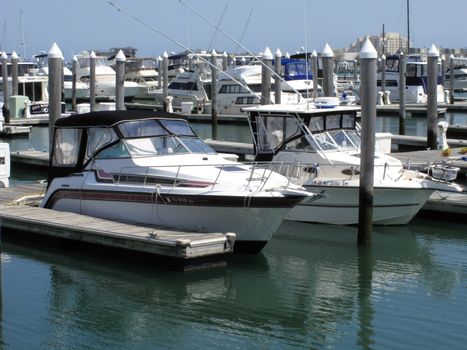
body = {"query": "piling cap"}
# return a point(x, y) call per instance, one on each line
point(14, 55)
point(213, 53)
point(93, 54)
point(55, 52)
point(383, 56)
point(165, 55)
point(243, 59)
point(75, 59)
point(327, 51)
point(314, 54)
point(451, 57)
point(287, 55)
point(278, 53)
point(224, 54)
point(4, 56)
point(267, 54)
point(120, 57)
point(159, 58)
point(368, 50)
point(434, 52)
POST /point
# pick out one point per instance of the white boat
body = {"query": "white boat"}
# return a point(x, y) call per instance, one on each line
point(150, 168)
point(326, 143)
point(232, 98)
point(4, 163)
point(416, 80)
point(142, 70)
point(460, 78)
point(105, 78)
point(42, 61)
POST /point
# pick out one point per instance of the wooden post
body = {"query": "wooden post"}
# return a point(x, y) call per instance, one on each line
point(402, 77)
point(159, 72)
point(277, 80)
point(92, 81)
point(327, 57)
point(5, 109)
point(14, 74)
point(55, 89)
point(214, 91)
point(225, 62)
point(314, 71)
point(74, 69)
point(165, 77)
point(451, 78)
point(120, 81)
point(266, 77)
point(383, 73)
point(368, 58)
point(243, 61)
point(432, 103)
point(190, 62)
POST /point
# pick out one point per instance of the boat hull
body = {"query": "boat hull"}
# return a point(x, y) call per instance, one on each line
point(339, 206)
point(253, 220)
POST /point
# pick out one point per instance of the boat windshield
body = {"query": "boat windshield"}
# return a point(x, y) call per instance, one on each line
point(163, 145)
point(155, 127)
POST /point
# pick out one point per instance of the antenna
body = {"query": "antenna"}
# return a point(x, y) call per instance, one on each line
point(244, 29)
point(239, 44)
point(119, 9)
point(218, 24)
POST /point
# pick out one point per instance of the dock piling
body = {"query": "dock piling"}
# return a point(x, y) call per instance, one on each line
point(55, 58)
point(368, 58)
point(451, 78)
point(159, 72)
point(277, 80)
point(214, 91)
point(314, 72)
point(165, 77)
point(266, 77)
point(383, 73)
point(225, 62)
point(92, 81)
point(14, 74)
point(120, 81)
point(6, 113)
point(327, 57)
point(74, 69)
point(402, 77)
point(432, 102)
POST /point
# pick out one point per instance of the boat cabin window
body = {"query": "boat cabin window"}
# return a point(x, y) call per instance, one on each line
point(66, 147)
point(141, 128)
point(163, 145)
point(98, 138)
point(178, 127)
point(116, 151)
point(188, 86)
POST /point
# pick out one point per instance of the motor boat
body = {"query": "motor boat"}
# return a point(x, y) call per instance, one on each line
point(460, 78)
point(142, 70)
point(150, 168)
point(326, 144)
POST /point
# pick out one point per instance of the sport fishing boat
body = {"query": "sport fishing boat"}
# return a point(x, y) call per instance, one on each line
point(326, 144)
point(151, 168)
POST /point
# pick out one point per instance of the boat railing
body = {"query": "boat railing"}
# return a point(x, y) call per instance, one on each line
point(259, 174)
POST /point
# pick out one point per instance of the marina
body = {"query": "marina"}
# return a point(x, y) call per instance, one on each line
point(234, 193)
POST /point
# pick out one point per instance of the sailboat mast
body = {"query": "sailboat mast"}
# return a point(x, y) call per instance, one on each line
point(408, 26)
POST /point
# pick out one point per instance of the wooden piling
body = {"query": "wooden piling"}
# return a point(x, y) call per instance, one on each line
point(120, 81)
point(55, 88)
point(5, 110)
point(14, 74)
point(165, 76)
point(159, 72)
point(432, 102)
point(225, 62)
point(327, 58)
point(214, 91)
point(368, 58)
point(92, 81)
point(266, 77)
point(277, 80)
point(383, 73)
point(402, 77)
point(451, 79)
point(74, 69)
point(314, 72)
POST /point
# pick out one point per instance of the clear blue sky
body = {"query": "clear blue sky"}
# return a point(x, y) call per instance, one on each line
point(288, 25)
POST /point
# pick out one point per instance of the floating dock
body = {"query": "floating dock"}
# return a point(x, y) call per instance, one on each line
point(410, 109)
point(171, 248)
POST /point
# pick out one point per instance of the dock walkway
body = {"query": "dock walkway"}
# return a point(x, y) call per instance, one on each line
point(184, 249)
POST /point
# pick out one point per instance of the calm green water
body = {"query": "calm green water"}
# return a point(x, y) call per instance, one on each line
point(310, 288)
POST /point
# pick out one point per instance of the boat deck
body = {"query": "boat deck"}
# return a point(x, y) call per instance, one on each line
point(182, 249)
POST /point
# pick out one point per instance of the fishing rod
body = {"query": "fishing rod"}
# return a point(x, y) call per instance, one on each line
point(120, 9)
point(240, 44)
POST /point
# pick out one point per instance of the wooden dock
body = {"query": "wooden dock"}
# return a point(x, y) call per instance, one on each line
point(410, 109)
point(175, 248)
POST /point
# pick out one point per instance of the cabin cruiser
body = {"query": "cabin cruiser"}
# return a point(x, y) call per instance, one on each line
point(150, 168)
point(105, 78)
point(460, 78)
point(297, 76)
point(326, 144)
point(232, 98)
point(142, 70)
point(416, 79)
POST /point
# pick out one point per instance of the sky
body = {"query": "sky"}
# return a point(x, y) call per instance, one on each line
point(288, 25)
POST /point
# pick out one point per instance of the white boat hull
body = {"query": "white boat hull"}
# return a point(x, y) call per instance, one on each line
point(391, 206)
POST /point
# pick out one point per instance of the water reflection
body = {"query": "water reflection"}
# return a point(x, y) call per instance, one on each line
point(312, 287)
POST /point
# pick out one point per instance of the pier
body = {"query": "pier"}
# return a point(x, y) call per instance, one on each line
point(177, 249)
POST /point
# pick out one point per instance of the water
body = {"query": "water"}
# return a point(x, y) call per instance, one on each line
point(310, 288)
